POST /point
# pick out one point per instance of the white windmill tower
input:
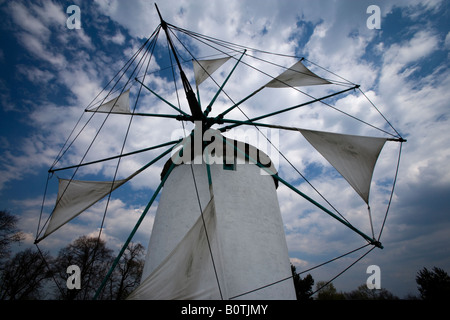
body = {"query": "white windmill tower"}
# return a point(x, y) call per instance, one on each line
point(218, 231)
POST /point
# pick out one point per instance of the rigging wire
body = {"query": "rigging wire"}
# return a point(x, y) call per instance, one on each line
point(387, 121)
point(126, 67)
point(149, 54)
point(227, 45)
point(193, 57)
point(50, 270)
point(392, 191)
point(299, 273)
point(334, 259)
point(342, 272)
point(327, 70)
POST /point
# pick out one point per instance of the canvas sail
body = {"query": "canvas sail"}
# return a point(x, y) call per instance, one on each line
point(296, 76)
point(120, 104)
point(204, 68)
point(75, 196)
point(187, 273)
point(353, 156)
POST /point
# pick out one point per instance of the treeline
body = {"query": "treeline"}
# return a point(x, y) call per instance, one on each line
point(432, 285)
point(33, 274)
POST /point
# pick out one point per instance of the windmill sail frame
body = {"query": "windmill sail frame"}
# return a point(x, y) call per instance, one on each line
point(294, 76)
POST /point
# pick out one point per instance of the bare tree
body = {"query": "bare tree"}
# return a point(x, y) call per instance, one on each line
point(24, 275)
point(92, 257)
point(94, 260)
point(128, 272)
point(8, 233)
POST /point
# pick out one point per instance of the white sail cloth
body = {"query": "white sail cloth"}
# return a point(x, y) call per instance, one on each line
point(189, 266)
point(296, 76)
point(353, 156)
point(120, 104)
point(75, 196)
point(205, 68)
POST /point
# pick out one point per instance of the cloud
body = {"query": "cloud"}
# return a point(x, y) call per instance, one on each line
point(118, 38)
point(27, 20)
point(299, 263)
point(33, 153)
point(34, 21)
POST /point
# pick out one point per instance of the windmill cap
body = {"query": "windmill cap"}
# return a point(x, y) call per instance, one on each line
point(219, 150)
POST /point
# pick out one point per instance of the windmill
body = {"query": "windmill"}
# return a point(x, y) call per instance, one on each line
point(218, 232)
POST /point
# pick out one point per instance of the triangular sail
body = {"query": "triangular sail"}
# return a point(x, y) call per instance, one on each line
point(120, 104)
point(75, 196)
point(353, 156)
point(296, 76)
point(204, 68)
point(187, 273)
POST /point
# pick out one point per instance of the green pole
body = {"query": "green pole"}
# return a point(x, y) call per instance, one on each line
point(118, 156)
point(157, 95)
point(287, 109)
point(238, 103)
point(208, 109)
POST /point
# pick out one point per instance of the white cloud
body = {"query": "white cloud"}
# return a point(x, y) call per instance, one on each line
point(27, 20)
point(419, 46)
point(35, 75)
point(299, 263)
point(118, 38)
point(36, 47)
point(33, 154)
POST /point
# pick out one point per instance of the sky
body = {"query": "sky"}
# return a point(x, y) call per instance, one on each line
point(50, 73)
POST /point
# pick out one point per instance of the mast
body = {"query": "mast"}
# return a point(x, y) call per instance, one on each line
point(196, 111)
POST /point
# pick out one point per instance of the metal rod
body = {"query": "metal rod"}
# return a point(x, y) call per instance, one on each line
point(118, 156)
